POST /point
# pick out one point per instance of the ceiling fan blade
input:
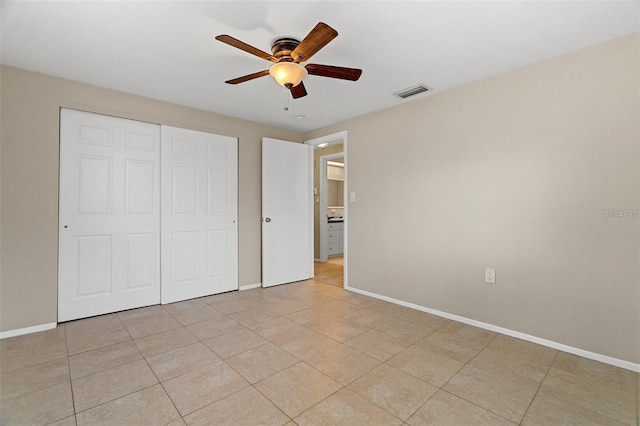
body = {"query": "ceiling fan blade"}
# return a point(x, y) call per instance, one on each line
point(246, 47)
point(248, 77)
point(331, 71)
point(298, 91)
point(319, 37)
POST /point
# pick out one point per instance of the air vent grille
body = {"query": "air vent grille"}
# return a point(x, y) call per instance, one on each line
point(412, 91)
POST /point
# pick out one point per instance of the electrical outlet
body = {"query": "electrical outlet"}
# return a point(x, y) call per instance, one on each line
point(489, 275)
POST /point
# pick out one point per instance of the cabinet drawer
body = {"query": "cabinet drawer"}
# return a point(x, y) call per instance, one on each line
point(333, 236)
point(333, 226)
point(334, 247)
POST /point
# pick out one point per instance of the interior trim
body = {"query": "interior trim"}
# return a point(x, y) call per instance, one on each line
point(27, 330)
point(627, 365)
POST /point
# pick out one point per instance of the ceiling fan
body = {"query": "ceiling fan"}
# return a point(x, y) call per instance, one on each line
point(288, 53)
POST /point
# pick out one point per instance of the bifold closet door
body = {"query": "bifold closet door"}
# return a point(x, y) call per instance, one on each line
point(109, 236)
point(199, 214)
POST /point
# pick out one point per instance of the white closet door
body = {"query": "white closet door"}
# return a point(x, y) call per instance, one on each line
point(109, 215)
point(199, 214)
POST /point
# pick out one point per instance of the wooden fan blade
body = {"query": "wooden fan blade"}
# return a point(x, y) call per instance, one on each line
point(246, 47)
point(319, 37)
point(298, 91)
point(331, 71)
point(248, 77)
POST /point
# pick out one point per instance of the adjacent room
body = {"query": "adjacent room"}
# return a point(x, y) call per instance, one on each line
point(338, 213)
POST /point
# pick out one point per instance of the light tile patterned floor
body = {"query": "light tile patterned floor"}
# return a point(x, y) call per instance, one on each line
point(306, 353)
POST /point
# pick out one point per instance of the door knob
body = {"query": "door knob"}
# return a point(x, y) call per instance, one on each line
point(267, 219)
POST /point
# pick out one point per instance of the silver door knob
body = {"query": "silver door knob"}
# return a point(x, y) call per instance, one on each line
point(267, 219)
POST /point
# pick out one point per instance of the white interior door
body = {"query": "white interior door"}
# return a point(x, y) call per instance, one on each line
point(199, 214)
point(109, 215)
point(287, 212)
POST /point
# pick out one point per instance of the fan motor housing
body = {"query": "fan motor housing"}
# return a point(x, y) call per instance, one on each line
point(282, 47)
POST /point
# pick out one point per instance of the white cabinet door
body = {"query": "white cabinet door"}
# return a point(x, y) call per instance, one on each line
point(199, 214)
point(287, 210)
point(109, 215)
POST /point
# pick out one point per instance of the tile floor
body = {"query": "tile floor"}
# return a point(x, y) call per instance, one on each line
point(306, 353)
point(330, 272)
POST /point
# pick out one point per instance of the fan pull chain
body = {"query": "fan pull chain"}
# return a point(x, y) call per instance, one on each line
point(286, 100)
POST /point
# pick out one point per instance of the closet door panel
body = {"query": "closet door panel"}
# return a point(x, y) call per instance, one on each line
point(109, 253)
point(199, 214)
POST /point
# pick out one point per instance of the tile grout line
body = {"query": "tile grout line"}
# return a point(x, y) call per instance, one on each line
point(465, 364)
point(539, 386)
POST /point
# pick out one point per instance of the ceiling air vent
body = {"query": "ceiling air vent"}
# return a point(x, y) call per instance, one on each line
point(411, 91)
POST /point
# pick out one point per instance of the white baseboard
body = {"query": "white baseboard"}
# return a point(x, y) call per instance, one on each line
point(627, 365)
point(249, 286)
point(27, 330)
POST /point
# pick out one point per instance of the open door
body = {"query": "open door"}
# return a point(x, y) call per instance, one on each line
point(287, 212)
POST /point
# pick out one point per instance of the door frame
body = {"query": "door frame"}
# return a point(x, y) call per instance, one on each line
point(334, 139)
point(323, 188)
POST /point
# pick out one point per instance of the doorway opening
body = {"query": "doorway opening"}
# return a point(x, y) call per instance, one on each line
point(330, 210)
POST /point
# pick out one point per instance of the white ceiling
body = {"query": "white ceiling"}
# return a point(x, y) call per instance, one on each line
point(166, 50)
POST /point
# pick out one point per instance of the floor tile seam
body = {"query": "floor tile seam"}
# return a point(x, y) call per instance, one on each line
point(350, 388)
point(217, 358)
point(168, 350)
point(106, 369)
point(586, 379)
point(464, 365)
point(239, 353)
point(478, 353)
point(481, 407)
point(92, 330)
point(129, 339)
point(406, 422)
point(524, 357)
point(524, 414)
point(111, 368)
point(173, 403)
point(73, 396)
point(197, 322)
point(432, 352)
point(101, 348)
point(507, 374)
point(324, 334)
point(582, 407)
point(145, 317)
point(319, 402)
point(247, 380)
point(38, 389)
point(111, 400)
point(253, 385)
point(4, 372)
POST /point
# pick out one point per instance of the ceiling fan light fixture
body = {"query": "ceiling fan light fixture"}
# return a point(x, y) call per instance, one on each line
point(288, 74)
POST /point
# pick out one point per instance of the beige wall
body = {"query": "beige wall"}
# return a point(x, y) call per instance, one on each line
point(317, 215)
point(30, 105)
point(513, 173)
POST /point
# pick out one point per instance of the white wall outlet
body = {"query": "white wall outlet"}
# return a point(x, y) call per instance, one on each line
point(352, 196)
point(489, 275)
